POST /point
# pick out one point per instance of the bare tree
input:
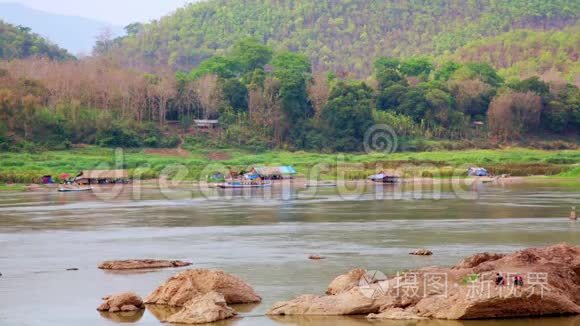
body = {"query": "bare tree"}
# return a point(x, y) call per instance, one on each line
point(512, 114)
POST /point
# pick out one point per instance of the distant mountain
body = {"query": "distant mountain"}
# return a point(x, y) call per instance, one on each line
point(76, 34)
point(347, 35)
point(20, 42)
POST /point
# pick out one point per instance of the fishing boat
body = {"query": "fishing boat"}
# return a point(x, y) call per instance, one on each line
point(74, 189)
point(241, 185)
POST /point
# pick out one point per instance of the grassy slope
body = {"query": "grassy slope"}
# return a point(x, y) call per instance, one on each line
point(25, 167)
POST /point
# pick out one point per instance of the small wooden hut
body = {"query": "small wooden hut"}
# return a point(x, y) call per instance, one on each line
point(89, 177)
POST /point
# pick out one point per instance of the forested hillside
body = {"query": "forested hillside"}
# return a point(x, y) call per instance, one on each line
point(317, 75)
point(20, 42)
point(550, 54)
point(339, 35)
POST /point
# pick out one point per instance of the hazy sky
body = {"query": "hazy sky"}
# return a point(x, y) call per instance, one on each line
point(118, 12)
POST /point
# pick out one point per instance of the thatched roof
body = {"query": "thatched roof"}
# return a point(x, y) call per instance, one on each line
point(104, 174)
point(275, 170)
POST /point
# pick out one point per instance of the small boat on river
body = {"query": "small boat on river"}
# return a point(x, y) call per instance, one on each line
point(242, 185)
point(75, 189)
point(384, 178)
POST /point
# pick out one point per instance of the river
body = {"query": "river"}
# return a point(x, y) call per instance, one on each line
point(263, 236)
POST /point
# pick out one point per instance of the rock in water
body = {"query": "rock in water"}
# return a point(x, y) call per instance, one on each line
point(184, 286)
point(204, 308)
point(141, 264)
point(551, 286)
point(127, 301)
point(421, 252)
point(345, 282)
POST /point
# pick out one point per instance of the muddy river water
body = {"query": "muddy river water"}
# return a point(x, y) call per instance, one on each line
point(263, 236)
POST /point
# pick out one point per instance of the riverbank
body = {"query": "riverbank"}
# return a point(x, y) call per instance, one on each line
point(144, 164)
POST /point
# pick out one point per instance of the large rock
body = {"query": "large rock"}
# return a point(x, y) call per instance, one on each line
point(141, 264)
point(466, 291)
point(343, 283)
point(352, 302)
point(127, 301)
point(184, 286)
point(204, 308)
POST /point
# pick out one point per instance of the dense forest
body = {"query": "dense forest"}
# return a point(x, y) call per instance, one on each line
point(314, 76)
point(346, 35)
point(20, 42)
point(272, 99)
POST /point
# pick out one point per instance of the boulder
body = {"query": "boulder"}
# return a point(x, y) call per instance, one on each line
point(184, 286)
point(127, 301)
point(204, 308)
point(352, 302)
point(345, 282)
point(421, 252)
point(397, 314)
point(551, 286)
point(141, 264)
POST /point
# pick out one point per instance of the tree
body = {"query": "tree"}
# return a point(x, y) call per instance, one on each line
point(291, 61)
point(384, 63)
point(447, 70)
point(133, 29)
point(481, 71)
point(348, 115)
point(472, 97)
point(532, 84)
point(250, 54)
point(318, 92)
point(391, 97)
point(562, 112)
point(236, 94)
point(416, 66)
point(293, 71)
point(210, 95)
point(414, 104)
point(223, 67)
point(511, 114)
point(388, 77)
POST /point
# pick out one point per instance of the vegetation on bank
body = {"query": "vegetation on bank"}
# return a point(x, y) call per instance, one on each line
point(266, 99)
point(29, 167)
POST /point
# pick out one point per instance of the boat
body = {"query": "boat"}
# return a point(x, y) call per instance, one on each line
point(74, 189)
point(241, 185)
point(383, 178)
point(321, 185)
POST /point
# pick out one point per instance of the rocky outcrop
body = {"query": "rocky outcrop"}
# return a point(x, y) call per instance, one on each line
point(141, 264)
point(421, 252)
point(204, 308)
point(343, 283)
point(478, 259)
point(122, 302)
point(551, 286)
point(184, 286)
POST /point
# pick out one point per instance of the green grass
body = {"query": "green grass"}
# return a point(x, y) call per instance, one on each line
point(28, 167)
